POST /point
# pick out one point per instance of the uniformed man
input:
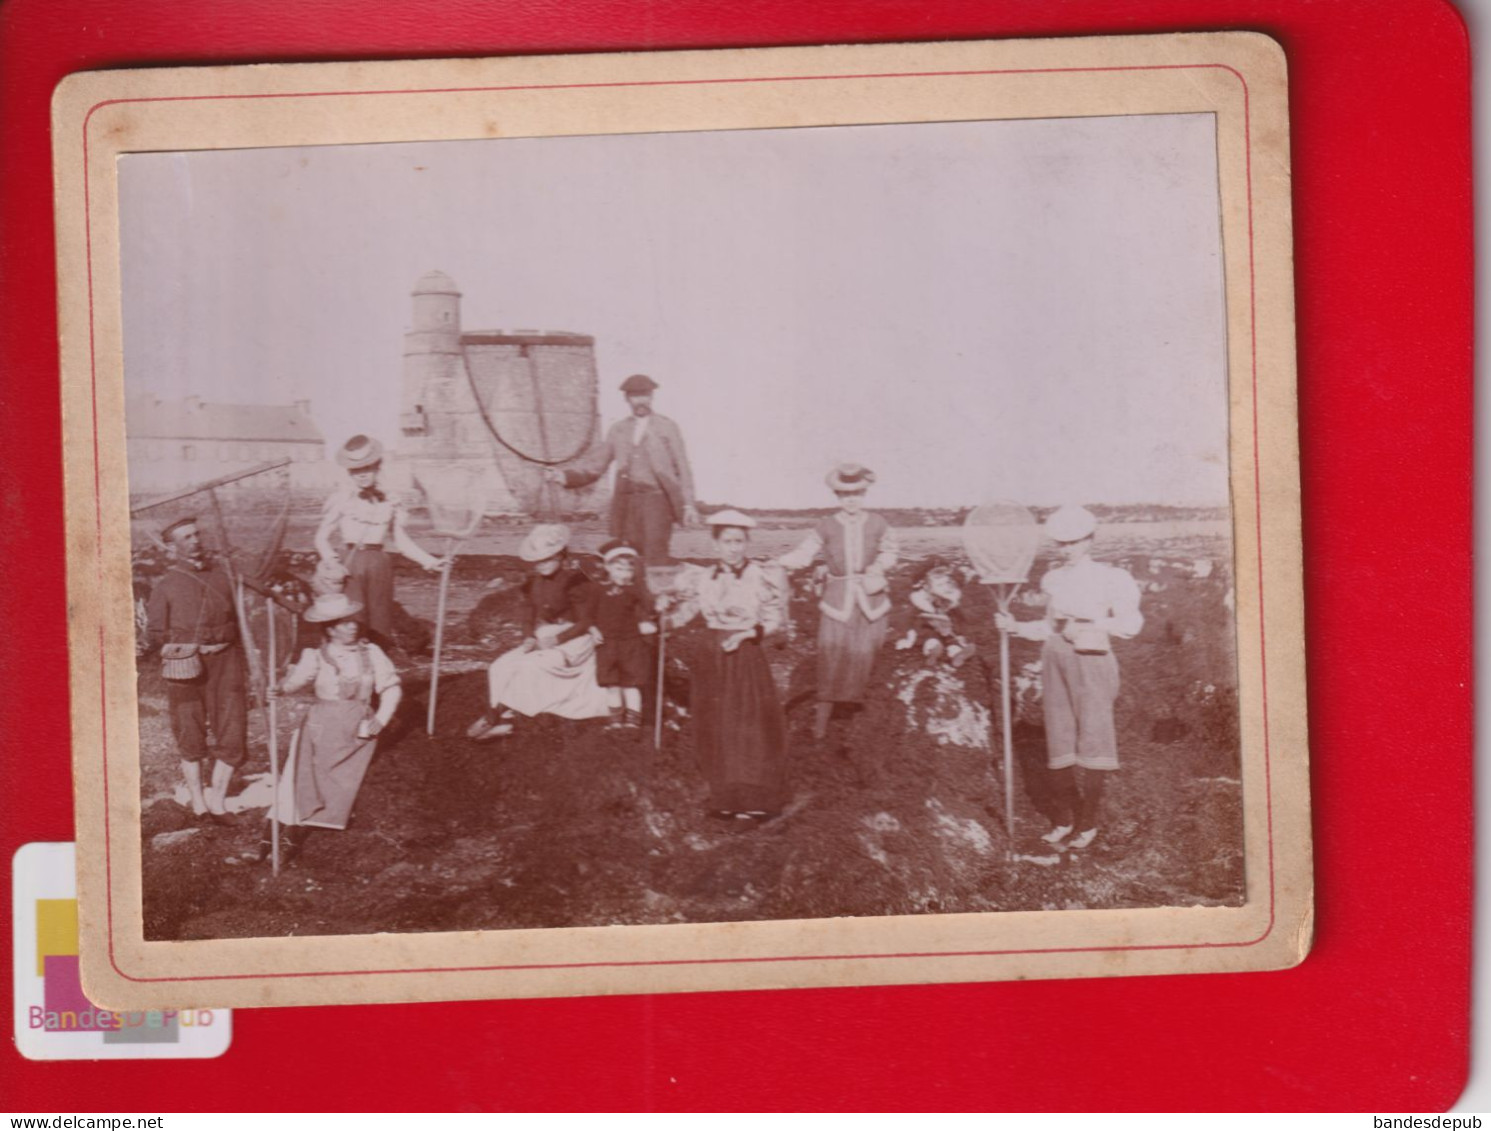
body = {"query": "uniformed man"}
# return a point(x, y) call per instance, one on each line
point(654, 486)
point(192, 617)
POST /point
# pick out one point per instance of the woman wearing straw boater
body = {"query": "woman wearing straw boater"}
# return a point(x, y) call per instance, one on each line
point(1088, 603)
point(859, 548)
point(335, 743)
point(358, 520)
point(552, 672)
point(740, 732)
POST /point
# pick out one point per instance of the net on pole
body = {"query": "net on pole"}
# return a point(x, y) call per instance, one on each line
point(242, 517)
point(455, 496)
point(1001, 539)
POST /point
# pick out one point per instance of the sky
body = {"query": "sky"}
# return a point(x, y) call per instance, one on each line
point(1028, 309)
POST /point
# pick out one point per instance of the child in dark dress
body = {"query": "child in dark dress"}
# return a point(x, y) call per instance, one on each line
point(935, 621)
point(624, 655)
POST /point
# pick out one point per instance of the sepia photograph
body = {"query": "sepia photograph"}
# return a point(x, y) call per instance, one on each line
point(651, 529)
point(685, 543)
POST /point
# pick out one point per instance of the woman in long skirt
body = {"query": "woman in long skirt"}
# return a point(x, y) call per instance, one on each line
point(358, 520)
point(1087, 604)
point(740, 732)
point(859, 547)
point(335, 743)
point(553, 671)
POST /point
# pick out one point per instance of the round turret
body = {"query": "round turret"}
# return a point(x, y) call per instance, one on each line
point(437, 311)
point(436, 283)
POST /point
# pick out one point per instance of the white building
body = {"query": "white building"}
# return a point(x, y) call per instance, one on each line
point(175, 444)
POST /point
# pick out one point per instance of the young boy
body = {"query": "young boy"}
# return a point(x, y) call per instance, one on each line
point(623, 655)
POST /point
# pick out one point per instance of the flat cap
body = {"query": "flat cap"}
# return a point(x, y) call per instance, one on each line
point(172, 528)
point(638, 383)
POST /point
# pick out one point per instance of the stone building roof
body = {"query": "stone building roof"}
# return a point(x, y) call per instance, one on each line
point(191, 418)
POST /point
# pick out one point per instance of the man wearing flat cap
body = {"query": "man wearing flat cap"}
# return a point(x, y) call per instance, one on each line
point(654, 486)
point(192, 618)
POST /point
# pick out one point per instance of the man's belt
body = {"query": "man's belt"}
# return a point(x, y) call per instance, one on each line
point(632, 487)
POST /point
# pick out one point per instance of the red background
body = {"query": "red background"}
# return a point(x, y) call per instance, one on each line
point(1376, 1019)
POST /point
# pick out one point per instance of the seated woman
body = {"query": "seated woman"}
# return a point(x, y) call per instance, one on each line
point(331, 751)
point(740, 732)
point(553, 671)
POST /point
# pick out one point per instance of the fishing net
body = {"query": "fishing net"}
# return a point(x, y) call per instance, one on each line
point(242, 517)
point(1001, 540)
point(455, 496)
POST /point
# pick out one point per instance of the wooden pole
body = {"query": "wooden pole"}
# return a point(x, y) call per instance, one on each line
point(662, 642)
point(445, 570)
point(1006, 722)
point(222, 480)
point(274, 747)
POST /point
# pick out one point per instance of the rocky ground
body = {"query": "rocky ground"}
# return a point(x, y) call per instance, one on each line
point(901, 811)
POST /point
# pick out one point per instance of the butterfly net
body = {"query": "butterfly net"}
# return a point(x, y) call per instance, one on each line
point(1001, 540)
point(242, 517)
point(455, 496)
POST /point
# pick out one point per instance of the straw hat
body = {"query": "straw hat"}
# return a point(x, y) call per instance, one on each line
point(330, 607)
point(730, 518)
point(360, 453)
point(543, 542)
point(1071, 524)
point(850, 477)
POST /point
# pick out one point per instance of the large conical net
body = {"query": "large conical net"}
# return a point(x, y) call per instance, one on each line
point(1001, 539)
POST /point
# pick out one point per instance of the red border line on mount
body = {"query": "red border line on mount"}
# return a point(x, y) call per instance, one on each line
point(1258, 519)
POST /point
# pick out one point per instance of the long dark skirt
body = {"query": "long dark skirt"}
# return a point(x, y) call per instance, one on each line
point(370, 583)
point(740, 731)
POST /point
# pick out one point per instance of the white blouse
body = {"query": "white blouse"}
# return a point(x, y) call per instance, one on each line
point(365, 524)
point(1093, 591)
point(729, 600)
point(340, 671)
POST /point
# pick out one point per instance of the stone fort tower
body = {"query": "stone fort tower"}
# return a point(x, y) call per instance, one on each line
point(503, 403)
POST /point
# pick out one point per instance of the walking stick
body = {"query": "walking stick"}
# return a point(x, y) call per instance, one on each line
point(274, 746)
point(457, 503)
point(1004, 717)
point(662, 641)
point(439, 633)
